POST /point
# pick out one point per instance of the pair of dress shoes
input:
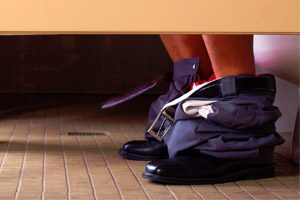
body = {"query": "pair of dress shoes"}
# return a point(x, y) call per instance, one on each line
point(191, 167)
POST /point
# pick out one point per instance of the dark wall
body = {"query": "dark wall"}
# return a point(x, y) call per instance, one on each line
point(79, 63)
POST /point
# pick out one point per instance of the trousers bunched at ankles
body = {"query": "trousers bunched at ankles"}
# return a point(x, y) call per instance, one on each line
point(185, 73)
point(235, 126)
point(220, 131)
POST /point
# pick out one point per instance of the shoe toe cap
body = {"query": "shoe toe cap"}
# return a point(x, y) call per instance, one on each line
point(153, 168)
point(126, 146)
point(166, 168)
point(132, 146)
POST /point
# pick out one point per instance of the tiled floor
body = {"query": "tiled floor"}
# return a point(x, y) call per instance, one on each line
point(39, 160)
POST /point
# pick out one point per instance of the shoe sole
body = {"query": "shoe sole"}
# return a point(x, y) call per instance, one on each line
point(131, 156)
point(249, 174)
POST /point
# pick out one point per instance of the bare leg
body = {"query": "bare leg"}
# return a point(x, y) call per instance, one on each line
point(186, 46)
point(230, 54)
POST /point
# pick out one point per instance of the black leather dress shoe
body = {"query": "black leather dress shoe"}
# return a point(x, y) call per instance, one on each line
point(205, 170)
point(144, 150)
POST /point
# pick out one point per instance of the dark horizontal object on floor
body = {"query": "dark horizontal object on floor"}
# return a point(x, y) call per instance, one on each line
point(86, 133)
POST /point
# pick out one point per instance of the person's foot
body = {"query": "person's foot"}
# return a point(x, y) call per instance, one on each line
point(201, 169)
point(144, 150)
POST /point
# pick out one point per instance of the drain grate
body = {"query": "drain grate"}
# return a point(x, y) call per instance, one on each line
point(77, 133)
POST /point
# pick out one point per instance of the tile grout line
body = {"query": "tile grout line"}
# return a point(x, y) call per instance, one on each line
point(1, 125)
point(288, 186)
point(244, 191)
point(44, 156)
point(127, 163)
point(83, 156)
point(87, 169)
point(137, 179)
point(266, 188)
point(198, 193)
point(10, 139)
point(71, 109)
point(17, 193)
point(104, 157)
point(64, 155)
point(109, 169)
point(242, 188)
point(221, 192)
point(171, 192)
point(134, 127)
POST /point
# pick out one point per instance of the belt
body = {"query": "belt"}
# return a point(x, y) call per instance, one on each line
point(235, 85)
point(210, 91)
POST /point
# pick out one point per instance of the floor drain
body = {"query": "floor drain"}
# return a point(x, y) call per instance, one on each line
point(86, 133)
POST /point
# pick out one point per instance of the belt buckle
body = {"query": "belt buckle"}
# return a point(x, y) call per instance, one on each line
point(167, 115)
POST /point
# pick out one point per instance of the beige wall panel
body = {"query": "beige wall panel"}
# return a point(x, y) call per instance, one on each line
point(149, 16)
